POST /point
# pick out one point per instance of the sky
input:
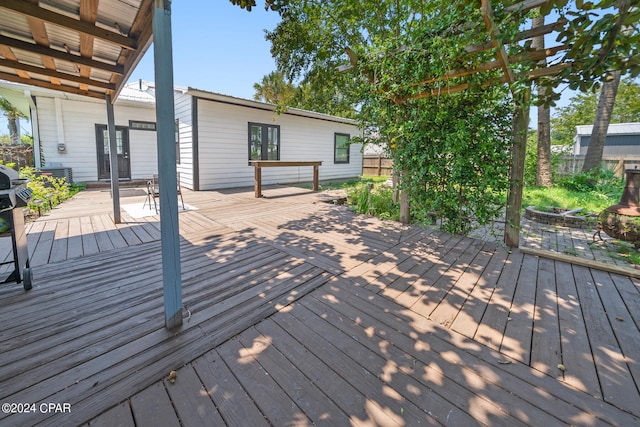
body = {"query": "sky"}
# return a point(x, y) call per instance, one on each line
point(217, 47)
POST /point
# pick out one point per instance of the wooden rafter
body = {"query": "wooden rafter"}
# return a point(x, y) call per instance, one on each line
point(58, 54)
point(547, 71)
point(47, 85)
point(8, 55)
point(32, 10)
point(526, 5)
point(540, 31)
point(89, 14)
point(39, 33)
point(57, 74)
point(142, 30)
point(487, 15)
point(534, 55)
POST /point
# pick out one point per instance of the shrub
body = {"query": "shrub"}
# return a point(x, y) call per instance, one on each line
point(377, 202)
point(44, 188)
point(602, 180)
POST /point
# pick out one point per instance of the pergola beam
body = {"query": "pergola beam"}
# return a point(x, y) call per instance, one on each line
point(534, 55)
point(57, 74)
point(33, 10)
point(526, 5)
point(487, 15)
point(58, 54)
point(48, 85)
point(8, 54)
point(88, 14)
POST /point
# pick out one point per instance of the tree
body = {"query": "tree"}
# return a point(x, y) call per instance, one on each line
point(543, 169)
point(274, 89)
point(452, 149)
point(582, 108)
point(607, 99)
point(602, 47)
point(403, 51)
point(12, 114)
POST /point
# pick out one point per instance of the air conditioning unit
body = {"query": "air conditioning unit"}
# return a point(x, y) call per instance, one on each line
point(65, 173)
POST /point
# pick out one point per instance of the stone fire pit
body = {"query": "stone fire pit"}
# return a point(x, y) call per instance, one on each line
point(560, 217)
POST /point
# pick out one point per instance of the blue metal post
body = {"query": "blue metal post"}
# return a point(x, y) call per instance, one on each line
point(113, 161)
point(165, 119)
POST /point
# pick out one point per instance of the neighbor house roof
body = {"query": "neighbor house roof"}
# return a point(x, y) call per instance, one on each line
point(614, 129)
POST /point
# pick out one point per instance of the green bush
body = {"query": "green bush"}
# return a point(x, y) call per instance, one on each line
point(602, 180)
point(45, 188)
point(377, 202)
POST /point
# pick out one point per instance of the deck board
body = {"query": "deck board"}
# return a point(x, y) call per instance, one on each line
point(576, 350)
point(301, 312)
point(152, 407)
point(546, 353)
point(192, 403)
point(235, 406)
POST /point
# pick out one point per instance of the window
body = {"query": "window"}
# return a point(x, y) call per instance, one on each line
point(341, 148)
point(264, 142)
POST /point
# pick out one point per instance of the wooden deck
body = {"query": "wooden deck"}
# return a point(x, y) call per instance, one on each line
point(299, 312)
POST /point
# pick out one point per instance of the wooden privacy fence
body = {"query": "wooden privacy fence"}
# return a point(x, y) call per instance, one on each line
point(21, 155)
point(377, 165)
point(571, 165)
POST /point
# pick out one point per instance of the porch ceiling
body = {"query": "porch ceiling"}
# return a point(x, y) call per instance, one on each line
point(85, 47)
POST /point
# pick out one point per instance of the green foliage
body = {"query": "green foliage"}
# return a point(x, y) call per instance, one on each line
point(274, 89)
point(268, 4)
point(45, 188)
point(378, 201)
point(454, 152)
point(603, 36)
point(581, 110)
point(397, 60)
point(627, 252)
point(531, 160)
point(544, 198)
point(9, 164)
point(601, 180)
point(592, 191)
point(26, 139)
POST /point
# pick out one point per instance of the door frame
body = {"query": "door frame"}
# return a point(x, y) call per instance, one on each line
point(124, 159)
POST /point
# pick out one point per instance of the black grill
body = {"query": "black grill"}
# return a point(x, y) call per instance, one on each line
point(14, 195)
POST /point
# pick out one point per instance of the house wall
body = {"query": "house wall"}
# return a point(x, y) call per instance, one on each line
point(183, 112)
point(223, 146)
point(73, 123)
point(614, 145)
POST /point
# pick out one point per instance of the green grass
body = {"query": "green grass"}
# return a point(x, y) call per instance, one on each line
point(627, 252)
point(345, 184)
point(591, 201)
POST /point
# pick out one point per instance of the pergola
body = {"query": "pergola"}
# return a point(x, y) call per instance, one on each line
point(90, 48)
point(492, 42)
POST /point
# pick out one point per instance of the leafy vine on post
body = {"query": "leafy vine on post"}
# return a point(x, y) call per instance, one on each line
point(440, 82)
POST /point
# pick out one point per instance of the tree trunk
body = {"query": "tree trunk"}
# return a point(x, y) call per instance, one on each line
point(516, 174)
point(13, 130)
point(601, 124)
point(543, 166)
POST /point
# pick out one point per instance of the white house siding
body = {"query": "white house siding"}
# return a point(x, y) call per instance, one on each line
point(223, 146)
point(184, 115)
point(79, 118)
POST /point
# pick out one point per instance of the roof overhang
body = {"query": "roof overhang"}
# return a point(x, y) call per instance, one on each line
point(84, 47)
point(232, 100)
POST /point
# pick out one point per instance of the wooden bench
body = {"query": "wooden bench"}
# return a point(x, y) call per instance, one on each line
point(259, 164)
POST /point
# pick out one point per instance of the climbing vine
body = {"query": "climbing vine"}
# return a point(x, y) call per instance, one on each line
point(453, 152)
